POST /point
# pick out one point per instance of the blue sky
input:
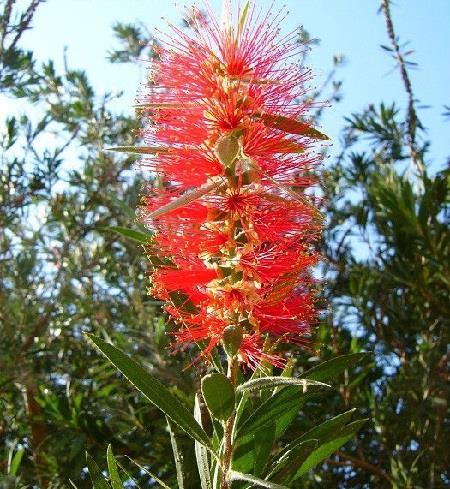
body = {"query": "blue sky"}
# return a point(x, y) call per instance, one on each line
point(349, 27)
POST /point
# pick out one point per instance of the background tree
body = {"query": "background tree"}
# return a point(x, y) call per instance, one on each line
point(387, 247)
point(63, 270)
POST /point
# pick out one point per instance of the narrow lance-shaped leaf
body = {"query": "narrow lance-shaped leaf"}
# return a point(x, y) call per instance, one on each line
point(291, 126)
point(252, 451)
point(284, 470)
point(238, 476)
point(151, 474)
point(184, 200)
point(243, 17)
point(280, 409)
point(98, 481)
point(323, 432)
point(142, 150)
point(16, 461)
point(272, 382)
point(201, 453)
point(131, 234)
point(327, 449)
point(113, 469)
point(178, 458)
point(332, 368)
point(289, 461)
point(153, 390)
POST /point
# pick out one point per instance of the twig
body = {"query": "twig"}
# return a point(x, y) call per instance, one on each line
point(362, 464)
point(412, 114)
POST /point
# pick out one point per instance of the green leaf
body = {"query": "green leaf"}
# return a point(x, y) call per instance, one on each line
point(98, 480)
point(322, 433)
point(327, 449)
point(291, 147)
point(291, 126)
point(143, 150)
point(153, 390)
point(272, 382)
point(332, 368)
point(290, 459)
point(201, 453)
point(113, 470)
point(244, 14)
point(16, 461)
point(218, 393)
point(239, 476)
point(185, 199)
point(285, 469)
point(263, 443)
point(158, 262)
point(280, 409)
point(178, 457)
point(182, 302)
point(260, 371)
point(146, 471)
point(137, 236)
point(252, 451)
point(123, 206)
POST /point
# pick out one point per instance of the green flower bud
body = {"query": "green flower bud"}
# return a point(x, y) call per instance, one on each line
point(232, 339)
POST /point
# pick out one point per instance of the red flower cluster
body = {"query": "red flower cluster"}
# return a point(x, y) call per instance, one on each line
point(233, 225)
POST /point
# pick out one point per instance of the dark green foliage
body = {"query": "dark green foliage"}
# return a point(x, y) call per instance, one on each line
point(388, 248)
point(62, 274)
point(256, 456)
point(134, 40)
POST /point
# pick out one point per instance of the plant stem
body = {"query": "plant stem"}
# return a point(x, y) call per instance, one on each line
point(412, 119)
point(228, 430)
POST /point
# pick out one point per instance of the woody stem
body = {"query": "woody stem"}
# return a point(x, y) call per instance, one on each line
point(228, 430)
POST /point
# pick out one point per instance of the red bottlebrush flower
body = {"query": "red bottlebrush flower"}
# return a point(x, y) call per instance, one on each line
point(234, 229)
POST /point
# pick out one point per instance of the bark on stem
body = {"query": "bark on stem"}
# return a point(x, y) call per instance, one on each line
point(228, 431)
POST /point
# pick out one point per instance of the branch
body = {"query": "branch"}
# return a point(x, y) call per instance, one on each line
point(25, 21)
point(362, 464)
point(412, 114)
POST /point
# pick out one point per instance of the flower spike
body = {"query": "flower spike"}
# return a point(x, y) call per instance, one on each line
point(234, 227)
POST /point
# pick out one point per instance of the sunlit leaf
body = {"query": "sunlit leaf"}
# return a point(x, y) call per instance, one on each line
point(201, 453)
point(291, 126)
point(153, 390)
point(177, 456)
point(98, 481)
point(142, 150)
point(333, 368)
point(113, 469)
point(131, 234)
point(239, 476)
point(272, 382)
point(16, 461)
point(244, 14)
